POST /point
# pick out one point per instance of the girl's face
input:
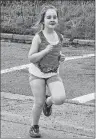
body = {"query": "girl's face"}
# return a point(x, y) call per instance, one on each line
point(50, 19)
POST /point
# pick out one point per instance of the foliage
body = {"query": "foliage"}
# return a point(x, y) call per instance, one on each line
point(77, 18)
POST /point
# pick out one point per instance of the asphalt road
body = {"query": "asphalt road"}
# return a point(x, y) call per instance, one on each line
point(78, 75)
point(67, 120)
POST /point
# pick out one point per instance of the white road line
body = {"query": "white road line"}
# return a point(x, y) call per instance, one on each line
point(15, 68)
point(27, 65)
point(79, 57)
point(15, 96)
point(81, 99)
point(85, 98)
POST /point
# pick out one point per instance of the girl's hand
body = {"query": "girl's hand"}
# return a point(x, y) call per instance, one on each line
point(49, 48)
point(62, 57)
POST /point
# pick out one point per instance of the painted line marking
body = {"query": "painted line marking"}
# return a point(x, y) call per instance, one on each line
point(79, 57)
point(27, 65)
point(15, 96)
point(81, 99)
point(15, 68)
point(85, 98)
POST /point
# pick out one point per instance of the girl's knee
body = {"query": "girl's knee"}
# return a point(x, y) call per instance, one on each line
point(59, 100)
point(39, 104)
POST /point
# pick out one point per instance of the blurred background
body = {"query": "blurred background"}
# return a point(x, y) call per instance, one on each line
point(76, 17)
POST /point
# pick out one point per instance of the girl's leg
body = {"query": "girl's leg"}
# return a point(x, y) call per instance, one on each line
point(38, 89)
point(57, 90)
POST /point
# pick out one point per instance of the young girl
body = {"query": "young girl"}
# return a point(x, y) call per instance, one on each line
point(45, 56)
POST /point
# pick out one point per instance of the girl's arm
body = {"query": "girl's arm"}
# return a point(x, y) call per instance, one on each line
point(35, 56)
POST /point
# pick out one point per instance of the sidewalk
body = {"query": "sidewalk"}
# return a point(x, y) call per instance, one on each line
point(68, 120)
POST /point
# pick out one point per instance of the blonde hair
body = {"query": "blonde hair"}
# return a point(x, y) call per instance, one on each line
point(43, 12)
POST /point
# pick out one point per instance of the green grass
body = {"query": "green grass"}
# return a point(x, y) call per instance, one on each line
point(76, 18)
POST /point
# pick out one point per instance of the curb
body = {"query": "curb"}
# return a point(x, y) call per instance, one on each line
point(17, 37)
point(84, 42)
point(28, 39)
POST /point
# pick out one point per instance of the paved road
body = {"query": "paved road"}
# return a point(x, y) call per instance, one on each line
point(66, 121)
point(78, 75)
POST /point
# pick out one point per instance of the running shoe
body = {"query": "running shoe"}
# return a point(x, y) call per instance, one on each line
point(47, 110)
point(34, 132)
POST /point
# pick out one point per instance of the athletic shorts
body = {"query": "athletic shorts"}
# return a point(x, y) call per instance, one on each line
point(47, 80)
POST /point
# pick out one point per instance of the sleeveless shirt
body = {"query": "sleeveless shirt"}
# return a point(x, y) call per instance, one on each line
point(49, 65)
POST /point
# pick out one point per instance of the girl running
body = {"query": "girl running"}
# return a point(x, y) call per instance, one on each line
point(45, 56)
